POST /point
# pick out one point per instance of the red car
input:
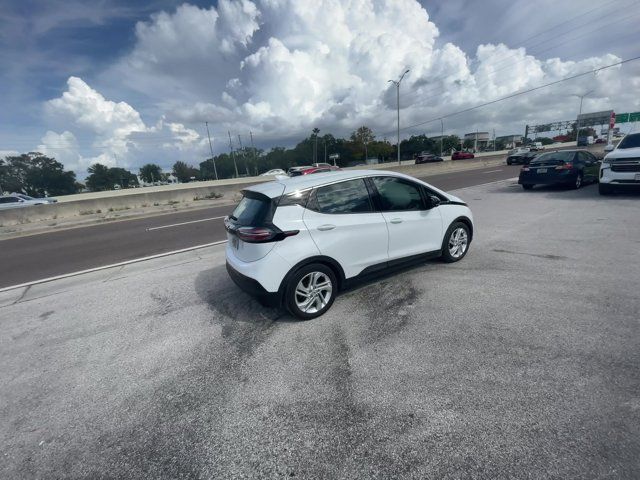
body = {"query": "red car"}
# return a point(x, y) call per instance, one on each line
point(310, 170)
point(461, 155)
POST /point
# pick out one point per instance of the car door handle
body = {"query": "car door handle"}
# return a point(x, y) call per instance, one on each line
point(324, 228)
point(396, 220)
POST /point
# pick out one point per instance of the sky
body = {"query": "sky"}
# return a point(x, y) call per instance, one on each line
point(126, 83)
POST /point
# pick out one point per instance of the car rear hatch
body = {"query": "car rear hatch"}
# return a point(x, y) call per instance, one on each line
point(250, 233)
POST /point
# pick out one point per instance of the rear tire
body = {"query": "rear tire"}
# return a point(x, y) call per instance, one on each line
point(455, 244)
point(310, 291)
point(527, 186)
point(604, 189)
point(509, 162)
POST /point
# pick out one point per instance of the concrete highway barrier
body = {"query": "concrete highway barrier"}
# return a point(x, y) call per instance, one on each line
point(104, 203)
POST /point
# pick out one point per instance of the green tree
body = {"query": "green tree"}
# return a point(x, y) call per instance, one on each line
point(99, 178)
point(184, 172)
point(37, 175)
point(151, 173)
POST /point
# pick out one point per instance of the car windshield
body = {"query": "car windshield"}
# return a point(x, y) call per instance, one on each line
point(554, 157)
point(630, 141)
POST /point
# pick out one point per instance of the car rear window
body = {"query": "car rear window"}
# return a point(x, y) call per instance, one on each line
point(630, 141)
point(253, 209)
point(553, 158)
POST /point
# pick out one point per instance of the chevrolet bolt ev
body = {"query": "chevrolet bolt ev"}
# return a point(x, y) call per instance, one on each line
point(296, 242)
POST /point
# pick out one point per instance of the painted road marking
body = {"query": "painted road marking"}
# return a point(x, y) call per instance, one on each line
point(185, 223)
point(119, 264)
point(493, 171)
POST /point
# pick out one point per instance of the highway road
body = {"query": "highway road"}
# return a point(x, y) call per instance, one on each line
point(35, 257)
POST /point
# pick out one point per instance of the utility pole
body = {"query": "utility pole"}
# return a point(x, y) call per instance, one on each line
point(215, 170)
point(441, 135)
point(255, 154)
point(397, 84)
point(235, 166)
point(494, 139)
point(325, 150)
point(244, 155)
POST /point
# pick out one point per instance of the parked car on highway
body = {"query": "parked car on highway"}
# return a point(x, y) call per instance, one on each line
point(296, 242)
point(309, 170)
point(521, 158)
point(621, 166)
point(275, 171)
point(425, 157)
point(568, 167)
point(16, 200)
point(35, 200)
point(461, 155)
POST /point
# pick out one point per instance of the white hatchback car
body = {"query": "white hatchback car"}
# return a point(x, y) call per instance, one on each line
point(296, 242)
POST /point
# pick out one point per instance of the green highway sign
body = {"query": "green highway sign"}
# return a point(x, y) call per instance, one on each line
point(627, 117)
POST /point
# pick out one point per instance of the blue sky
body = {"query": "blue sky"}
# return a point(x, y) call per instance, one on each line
point(249, 66)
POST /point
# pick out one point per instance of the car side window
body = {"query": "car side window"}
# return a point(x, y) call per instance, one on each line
point(584, 157)
point(8, 200)
point(350, 196)
point(397, 194)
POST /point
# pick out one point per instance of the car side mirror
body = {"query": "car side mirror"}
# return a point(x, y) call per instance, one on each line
point(433, 201)
point(608, 148)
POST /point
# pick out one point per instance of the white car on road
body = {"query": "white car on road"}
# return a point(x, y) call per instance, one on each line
point(296, 242)
point(16, 200)
point(275, 171)
point(621, 166)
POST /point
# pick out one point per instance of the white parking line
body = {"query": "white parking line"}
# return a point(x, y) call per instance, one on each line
point(119, 264)
point(185, 223)
point(493, 171)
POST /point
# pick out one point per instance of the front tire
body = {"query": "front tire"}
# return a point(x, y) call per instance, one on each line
point(455, 244)
point(310, 291)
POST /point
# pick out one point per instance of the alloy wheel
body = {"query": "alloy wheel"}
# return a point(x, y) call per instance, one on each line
point(313, 292)
point(458, 242)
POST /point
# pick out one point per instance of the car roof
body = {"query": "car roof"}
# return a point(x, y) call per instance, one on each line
point(291, 184)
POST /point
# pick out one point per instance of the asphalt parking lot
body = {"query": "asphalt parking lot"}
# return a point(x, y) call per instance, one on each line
point(521, 361)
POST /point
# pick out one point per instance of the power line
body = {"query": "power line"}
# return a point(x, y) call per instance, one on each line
point(516, 94)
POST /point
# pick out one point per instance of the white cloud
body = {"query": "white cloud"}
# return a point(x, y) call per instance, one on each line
point(281, 67)
point(116, 129)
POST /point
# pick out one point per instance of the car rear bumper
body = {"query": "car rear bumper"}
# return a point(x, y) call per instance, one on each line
point(254, 288)
point(566, 176)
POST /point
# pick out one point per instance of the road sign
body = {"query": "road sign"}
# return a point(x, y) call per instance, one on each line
point(627, 117)
point(334, 156)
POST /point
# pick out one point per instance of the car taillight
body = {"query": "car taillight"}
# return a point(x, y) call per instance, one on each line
point(263, 234)
point(255, 234)
point(566, 166)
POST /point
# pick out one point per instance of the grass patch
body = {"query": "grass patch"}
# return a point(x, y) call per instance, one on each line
point(172, 202)
point(156, 204)
point(86, 212)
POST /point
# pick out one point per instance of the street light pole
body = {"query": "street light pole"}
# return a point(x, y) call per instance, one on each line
point(215, 170)
point(441, 135)
point(580, 113)
point(397, 84)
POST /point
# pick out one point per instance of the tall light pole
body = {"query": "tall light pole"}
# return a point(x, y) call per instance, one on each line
point(441, 135)
point(215, 170)
point(580, 113)
point(397, 84)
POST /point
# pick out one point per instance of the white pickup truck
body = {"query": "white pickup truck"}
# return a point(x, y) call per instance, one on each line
point(620, 168)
